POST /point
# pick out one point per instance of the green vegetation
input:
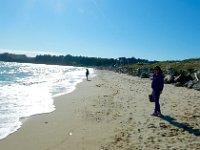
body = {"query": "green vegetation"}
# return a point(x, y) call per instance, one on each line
point(71, 60)
point(188, 65)
point(15, 58)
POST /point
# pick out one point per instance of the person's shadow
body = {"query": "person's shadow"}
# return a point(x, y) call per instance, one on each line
point(183, 126)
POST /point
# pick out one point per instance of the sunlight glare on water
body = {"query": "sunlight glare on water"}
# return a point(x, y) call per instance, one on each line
point(28, 89)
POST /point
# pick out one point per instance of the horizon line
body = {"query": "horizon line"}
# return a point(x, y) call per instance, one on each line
point(34, 53)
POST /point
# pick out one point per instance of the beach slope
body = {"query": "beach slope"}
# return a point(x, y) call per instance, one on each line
point(112, 112)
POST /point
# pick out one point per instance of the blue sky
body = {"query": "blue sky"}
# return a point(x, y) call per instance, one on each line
point(149, 29)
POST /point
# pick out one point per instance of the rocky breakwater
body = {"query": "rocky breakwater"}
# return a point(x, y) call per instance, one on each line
point(171, 76)
point(140, 72)
point(183, 78)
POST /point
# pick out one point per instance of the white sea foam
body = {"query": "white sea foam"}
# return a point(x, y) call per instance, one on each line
point(28, 89)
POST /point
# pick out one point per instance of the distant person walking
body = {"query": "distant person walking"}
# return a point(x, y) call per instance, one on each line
point(87, 74)
point(157, 85)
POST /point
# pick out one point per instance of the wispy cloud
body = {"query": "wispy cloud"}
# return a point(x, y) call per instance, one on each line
point(99, 9)
point(57, 6)
point(31, 3)
point(103, 14)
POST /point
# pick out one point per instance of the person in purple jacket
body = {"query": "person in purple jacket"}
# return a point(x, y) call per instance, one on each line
point(157, 85)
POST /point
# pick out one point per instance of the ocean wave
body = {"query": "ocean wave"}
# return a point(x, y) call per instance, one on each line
point(28, 89)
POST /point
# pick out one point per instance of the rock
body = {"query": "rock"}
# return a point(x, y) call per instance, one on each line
point(178, 78)
point(129, 71)
point(198, 74)
point(178, 84)
point(182, 78)
point(144, 75)
point(143, 72)
point(196, 86)
point(169, 79)
point(138, 72)
point(189, 84)
point(170, 71)
point(189, 77)
point(134, 72)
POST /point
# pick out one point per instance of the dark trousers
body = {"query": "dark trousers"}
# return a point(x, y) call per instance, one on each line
point(156, 96)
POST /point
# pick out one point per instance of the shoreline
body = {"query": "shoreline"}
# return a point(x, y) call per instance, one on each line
point(22, 120)
point(112, 112)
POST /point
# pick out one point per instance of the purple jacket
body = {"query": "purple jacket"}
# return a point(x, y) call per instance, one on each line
point(157, 83)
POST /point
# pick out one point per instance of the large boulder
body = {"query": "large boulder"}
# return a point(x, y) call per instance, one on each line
point(134, 72)
point(144, 75)
point(197, 75)
point(178, 78)
point(189, 84)
point(143, 72)
point(196, 86)
point(178, 84)
point(169, 79)
point(170, 71)
point(130, 71)
point(182, 78)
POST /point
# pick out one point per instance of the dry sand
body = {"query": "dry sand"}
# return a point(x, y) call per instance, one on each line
point(112, 112)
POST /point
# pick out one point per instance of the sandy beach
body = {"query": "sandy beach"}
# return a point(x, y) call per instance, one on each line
point(112, 112)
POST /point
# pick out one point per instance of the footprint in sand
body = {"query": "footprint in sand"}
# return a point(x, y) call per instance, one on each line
point(151, 126)
point(130, 119)
point(163, 125)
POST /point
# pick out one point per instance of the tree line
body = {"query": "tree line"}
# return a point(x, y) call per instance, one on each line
point(70, 60)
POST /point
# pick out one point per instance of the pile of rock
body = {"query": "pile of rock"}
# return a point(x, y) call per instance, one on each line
point(179, 79)
point(140, 72)
point(183, 79)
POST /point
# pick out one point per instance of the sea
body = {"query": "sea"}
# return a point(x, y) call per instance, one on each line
point(28, 89)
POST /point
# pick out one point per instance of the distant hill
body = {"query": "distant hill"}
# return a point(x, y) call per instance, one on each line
point(188, 65)
point(72, 60)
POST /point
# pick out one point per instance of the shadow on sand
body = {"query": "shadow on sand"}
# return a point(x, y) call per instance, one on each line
point(184, 126)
